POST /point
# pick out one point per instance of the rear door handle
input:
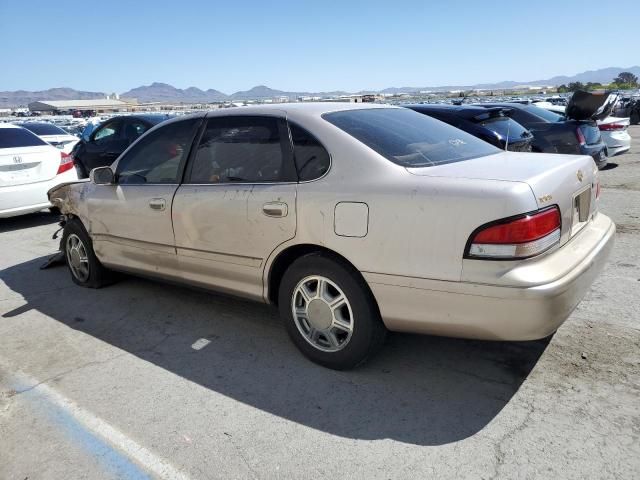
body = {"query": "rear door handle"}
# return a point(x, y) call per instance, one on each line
point(275, 209)
point(157, 203)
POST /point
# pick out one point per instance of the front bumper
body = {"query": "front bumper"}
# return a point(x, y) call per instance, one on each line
point(491, 312)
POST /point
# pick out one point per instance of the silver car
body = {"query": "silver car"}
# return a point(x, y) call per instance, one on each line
point(352, 219)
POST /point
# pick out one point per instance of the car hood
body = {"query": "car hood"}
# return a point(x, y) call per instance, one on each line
point(590, 106)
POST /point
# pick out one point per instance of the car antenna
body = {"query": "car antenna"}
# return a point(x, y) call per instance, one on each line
point(506, 143)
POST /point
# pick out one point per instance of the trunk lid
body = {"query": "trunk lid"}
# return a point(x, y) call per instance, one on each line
point(24, 165)
point(554, 179)
point(590, 106)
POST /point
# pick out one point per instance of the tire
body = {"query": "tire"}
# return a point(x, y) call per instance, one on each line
point(79, 254)
point(338, 337)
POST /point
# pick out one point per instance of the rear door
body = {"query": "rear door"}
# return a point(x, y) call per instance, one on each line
point(25, 158)
point(130, 221)
point(237, 204)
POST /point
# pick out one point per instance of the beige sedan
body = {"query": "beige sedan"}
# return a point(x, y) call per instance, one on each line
point(353, 220)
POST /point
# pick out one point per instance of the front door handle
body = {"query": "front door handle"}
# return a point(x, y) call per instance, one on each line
point(275, 209)
point(157, 203)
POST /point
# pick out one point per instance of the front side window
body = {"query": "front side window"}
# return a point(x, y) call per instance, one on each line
point(157, 158)
point(239, 149)
point(109, 131)
point(312, 160)
point(409, 138)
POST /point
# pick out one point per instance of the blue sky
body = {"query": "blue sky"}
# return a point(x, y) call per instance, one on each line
point(308, 46)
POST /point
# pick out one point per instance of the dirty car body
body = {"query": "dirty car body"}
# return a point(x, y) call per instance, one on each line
point(352, 219)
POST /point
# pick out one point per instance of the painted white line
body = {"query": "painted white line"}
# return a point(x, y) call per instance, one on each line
point(136, 452)
point(200, 344)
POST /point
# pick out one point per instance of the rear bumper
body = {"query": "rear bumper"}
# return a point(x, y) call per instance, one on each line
point(490, 312)
point(617, 142)
point(32, 197)
point(598, 152)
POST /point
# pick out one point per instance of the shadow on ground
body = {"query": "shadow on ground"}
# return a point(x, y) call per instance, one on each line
point(28, 221)
point(420, 390)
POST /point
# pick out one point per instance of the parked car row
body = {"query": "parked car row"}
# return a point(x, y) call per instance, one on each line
point(353, 219)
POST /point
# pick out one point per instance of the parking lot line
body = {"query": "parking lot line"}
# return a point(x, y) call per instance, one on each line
point(114, 450)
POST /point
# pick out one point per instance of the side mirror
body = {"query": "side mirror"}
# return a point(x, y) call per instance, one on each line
point(102, 176)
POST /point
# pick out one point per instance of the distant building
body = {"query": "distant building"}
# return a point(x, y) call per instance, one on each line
point(102, 105)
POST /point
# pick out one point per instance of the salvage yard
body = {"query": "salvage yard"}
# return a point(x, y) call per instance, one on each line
point(148, 380)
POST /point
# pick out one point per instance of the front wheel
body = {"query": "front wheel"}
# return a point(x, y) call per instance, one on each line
point(329, 312)
point(85, 268)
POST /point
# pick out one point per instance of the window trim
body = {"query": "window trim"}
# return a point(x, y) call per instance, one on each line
point(290, 174)
point(183, 163)
point(295, 166)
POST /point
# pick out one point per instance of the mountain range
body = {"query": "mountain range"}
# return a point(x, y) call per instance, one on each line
point(163, 92)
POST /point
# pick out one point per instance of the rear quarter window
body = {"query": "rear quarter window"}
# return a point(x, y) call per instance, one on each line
point(409, 138)
point(18, 137)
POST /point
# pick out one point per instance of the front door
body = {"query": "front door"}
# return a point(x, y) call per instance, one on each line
point(130, 221)
point(237, 204)
point(105, 145)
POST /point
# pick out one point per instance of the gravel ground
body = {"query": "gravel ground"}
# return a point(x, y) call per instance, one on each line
point(109, 384)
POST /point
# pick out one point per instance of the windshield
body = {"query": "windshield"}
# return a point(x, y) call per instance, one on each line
point(409, 138)
point(18, 137)
point(546, 114)
point(43, 128)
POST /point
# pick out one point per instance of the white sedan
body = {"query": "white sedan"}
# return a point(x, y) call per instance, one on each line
point(53, 135)
point(614, 133)
point(29, 167)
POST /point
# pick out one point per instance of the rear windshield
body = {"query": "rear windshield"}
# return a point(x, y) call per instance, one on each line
point(546, 114)
point(18, 137)
point(506, 128)
point(43, 129)
point(409, 138)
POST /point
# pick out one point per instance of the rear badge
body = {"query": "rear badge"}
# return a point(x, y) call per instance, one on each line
point(546, 198)
point(579, 174)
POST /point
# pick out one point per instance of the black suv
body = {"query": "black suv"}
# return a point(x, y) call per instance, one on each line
point(110, 139)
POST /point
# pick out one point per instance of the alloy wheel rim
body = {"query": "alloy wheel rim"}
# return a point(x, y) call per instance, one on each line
point(77, 258)
point(322, 313)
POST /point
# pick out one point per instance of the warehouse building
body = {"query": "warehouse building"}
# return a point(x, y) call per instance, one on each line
point(101, 105)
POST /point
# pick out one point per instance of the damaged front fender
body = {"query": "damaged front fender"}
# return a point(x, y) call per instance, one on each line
point(68, 197)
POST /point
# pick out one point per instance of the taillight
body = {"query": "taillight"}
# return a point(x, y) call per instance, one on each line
point(580, 136)
point(609, 127)
point(66, 163)
point(516, 237)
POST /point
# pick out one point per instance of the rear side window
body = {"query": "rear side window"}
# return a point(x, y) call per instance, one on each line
point(18, 137)
point(312, 160)
point(158, 157)
point(239, 149)
point(409, 138)
point(546, 114)
point(44, 129)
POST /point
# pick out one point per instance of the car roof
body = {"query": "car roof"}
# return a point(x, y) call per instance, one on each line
point(299, 109)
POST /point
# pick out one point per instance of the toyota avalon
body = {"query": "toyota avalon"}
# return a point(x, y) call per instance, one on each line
point(352, 219)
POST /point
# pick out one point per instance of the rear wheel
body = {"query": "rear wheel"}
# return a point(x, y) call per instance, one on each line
point(329, 312)
point(85, 268)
